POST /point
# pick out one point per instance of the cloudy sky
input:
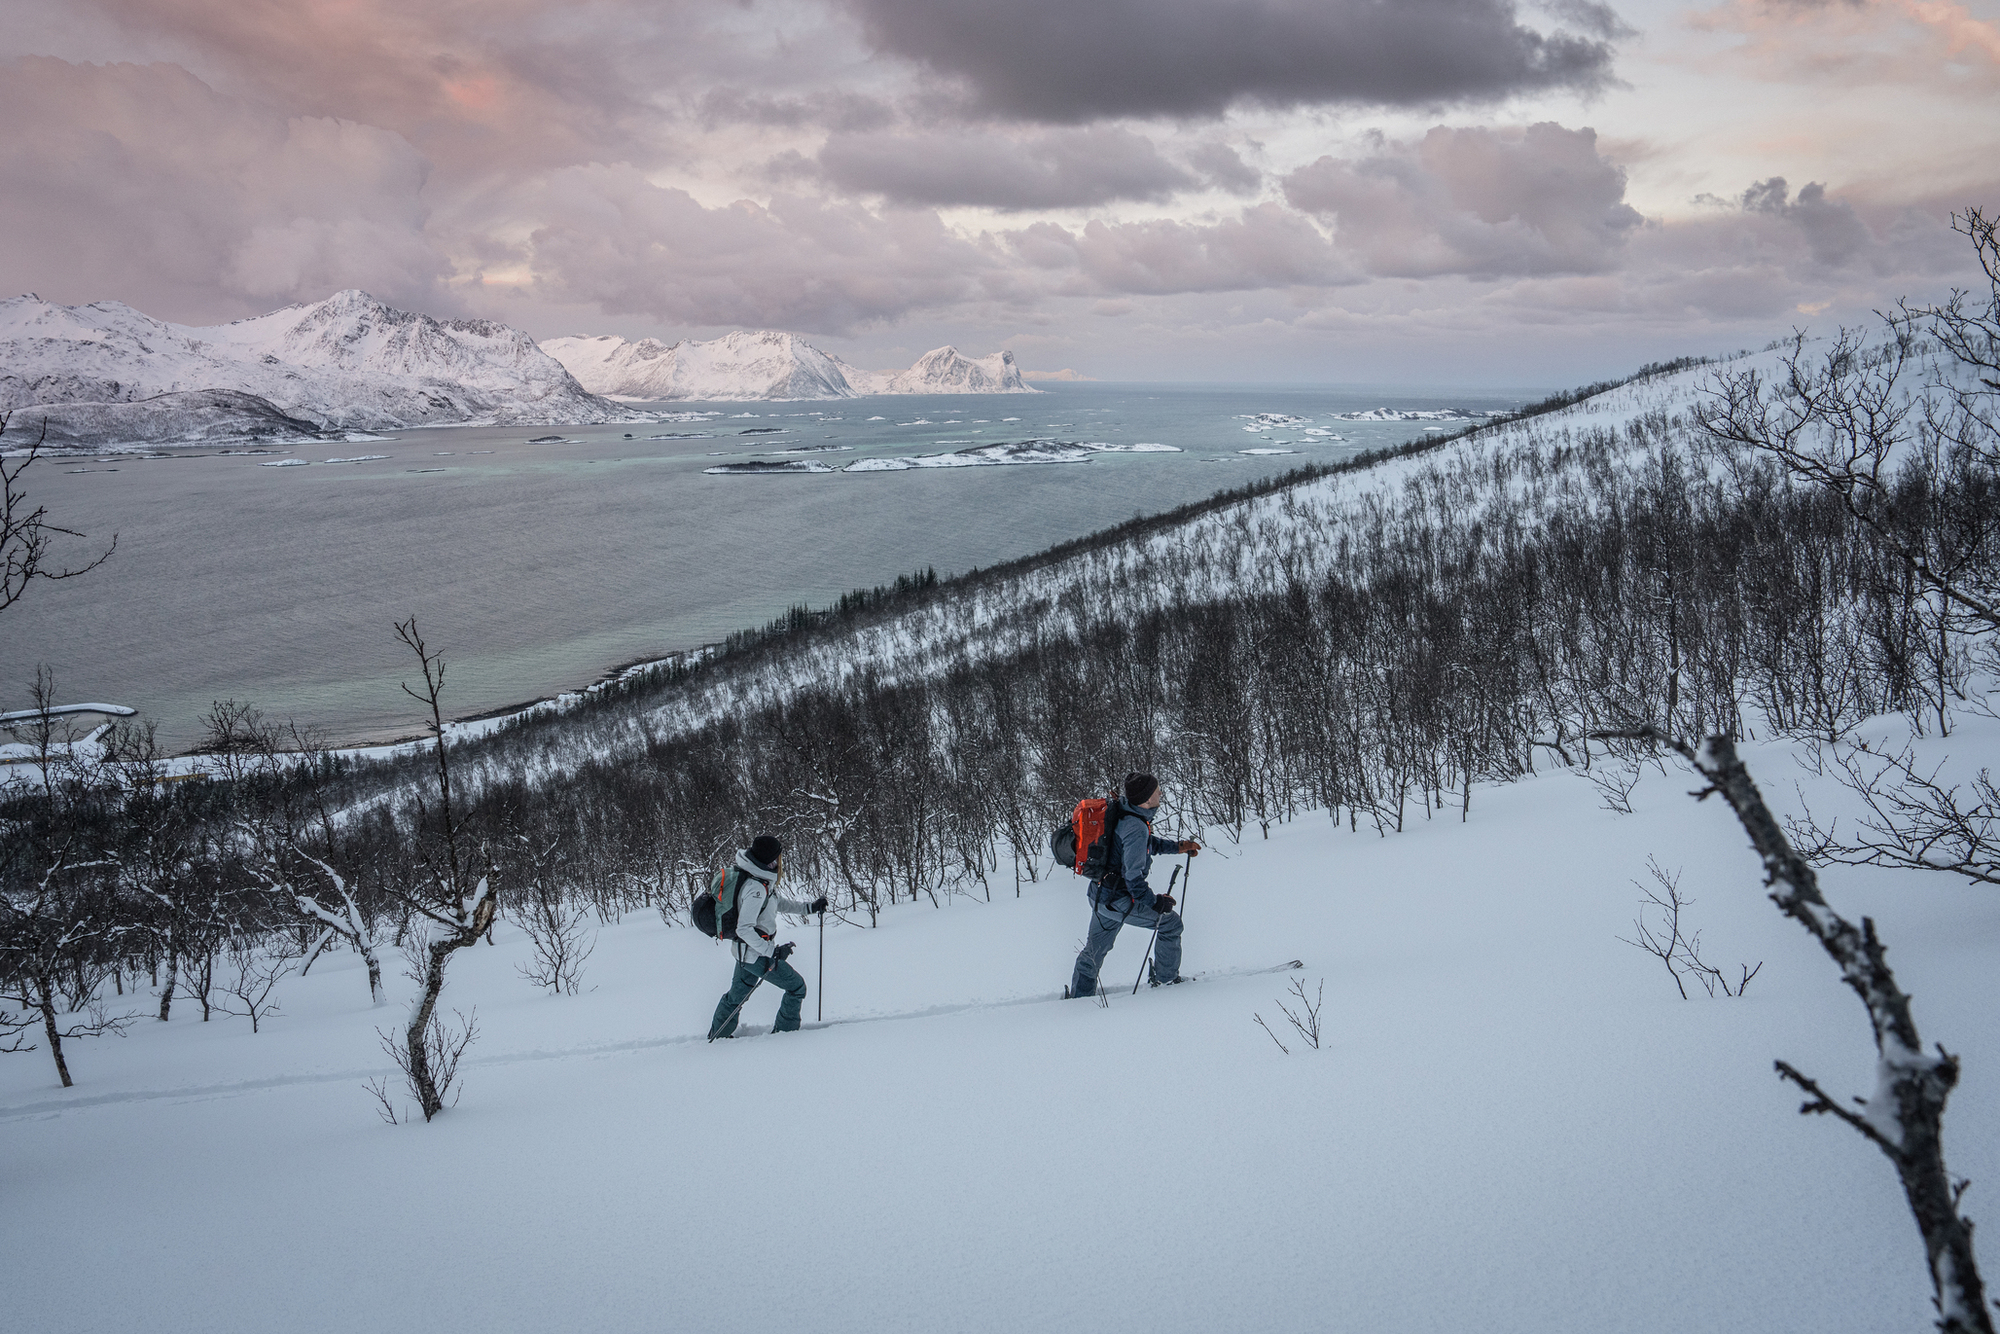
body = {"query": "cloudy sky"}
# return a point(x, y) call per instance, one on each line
point(1438, 191)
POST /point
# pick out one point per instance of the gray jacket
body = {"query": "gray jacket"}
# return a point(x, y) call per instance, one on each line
point(757, 906)
point(1136, 846)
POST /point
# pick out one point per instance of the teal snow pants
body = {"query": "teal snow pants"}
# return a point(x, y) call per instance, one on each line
point(730, 1008)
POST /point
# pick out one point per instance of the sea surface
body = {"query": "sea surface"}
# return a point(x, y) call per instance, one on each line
point(537, 565)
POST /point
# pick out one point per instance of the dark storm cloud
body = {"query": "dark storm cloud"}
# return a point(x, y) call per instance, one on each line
point(1052, 169)
point(1479, 202)
point(1588, 16)
point(1058, 61)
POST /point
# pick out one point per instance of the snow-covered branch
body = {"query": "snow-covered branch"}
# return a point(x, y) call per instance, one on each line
point(345, 921)
point(1905, 1117)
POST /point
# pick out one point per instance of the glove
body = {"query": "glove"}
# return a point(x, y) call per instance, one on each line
point(1189, 846)
point(817, 905)
point(1163, 903)
point(783, 952)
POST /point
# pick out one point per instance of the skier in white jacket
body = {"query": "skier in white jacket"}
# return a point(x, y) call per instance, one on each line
point(759, 958)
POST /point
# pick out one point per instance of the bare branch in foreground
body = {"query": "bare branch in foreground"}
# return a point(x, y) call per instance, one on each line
point(1906, 1117)
point(26, 535)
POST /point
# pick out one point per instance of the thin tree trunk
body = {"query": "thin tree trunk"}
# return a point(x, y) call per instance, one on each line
point(167, 992)
point(45, 1000)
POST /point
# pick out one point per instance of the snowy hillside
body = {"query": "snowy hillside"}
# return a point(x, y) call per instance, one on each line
point(1515, 473)
point(767, 365)
point(1512, 1124)
point(196, 417)
point(346, 363)
point(1509, 477)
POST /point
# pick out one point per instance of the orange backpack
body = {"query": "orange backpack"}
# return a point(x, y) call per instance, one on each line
point(1085, 843)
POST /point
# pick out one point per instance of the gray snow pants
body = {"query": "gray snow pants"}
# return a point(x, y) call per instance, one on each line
point(730, 1008)
point(1104, 925)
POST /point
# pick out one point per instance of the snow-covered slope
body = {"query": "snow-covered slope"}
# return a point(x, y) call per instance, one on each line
point(198, 416)
point(1512, 1125)
point(1511, 474)
point(348, 362)
point(767, 365)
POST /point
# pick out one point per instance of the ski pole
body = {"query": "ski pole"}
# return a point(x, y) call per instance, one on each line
point(819, 1014)
point(1156, 935)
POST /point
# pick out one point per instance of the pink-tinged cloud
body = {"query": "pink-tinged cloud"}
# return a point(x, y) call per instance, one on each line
point(141, 183)
point(1479, 202)
point(608, 236)
point(474, 84)
point(1850, 42)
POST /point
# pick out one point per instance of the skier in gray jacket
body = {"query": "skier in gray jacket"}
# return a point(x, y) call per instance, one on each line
point(1113, 905)
point(758, 957)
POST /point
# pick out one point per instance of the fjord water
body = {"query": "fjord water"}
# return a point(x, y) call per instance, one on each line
point(535, 567)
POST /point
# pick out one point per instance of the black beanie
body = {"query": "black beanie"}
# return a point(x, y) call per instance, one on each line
point(1139, 788)
point(764, 850)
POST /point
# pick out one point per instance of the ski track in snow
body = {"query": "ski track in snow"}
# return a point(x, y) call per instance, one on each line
point(1506, 1098)
point(585, 1051)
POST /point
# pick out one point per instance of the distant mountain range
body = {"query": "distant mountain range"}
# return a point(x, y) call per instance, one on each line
point(767, 365)
point(105, 374)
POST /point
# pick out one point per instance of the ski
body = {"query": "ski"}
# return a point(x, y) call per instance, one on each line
point(938, 1011)
point(1217, 974)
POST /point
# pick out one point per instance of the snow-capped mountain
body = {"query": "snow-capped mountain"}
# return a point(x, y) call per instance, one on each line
point(749, 365)
point(946, 370)
point(767, 365)
point(346, 363)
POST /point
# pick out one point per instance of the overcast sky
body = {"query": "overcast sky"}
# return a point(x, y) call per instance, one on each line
point(1468, 192)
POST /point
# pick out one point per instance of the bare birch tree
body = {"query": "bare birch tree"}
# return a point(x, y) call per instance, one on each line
point(453, 899)
point(1905, 1119)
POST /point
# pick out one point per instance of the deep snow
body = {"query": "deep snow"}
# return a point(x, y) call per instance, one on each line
point(1515, 1124)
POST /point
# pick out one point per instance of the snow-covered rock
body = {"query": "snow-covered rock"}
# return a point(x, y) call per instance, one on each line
point(767, 365)
point(348, 362)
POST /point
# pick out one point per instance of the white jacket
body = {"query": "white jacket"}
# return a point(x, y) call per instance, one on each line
point(757, 908)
